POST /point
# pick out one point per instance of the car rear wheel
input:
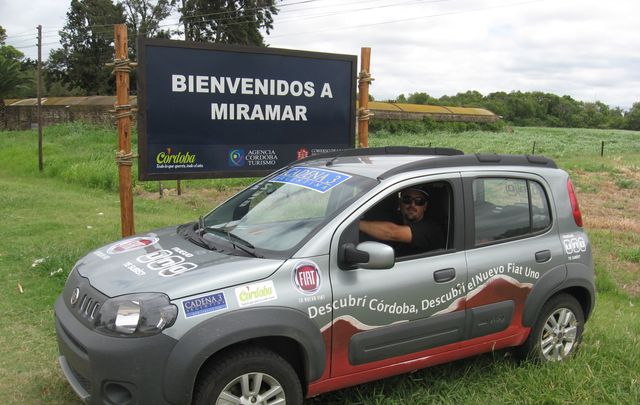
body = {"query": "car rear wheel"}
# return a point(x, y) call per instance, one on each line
point(557, 333)
point(249, 376)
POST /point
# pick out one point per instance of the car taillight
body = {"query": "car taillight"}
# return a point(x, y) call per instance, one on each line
point(575, 208)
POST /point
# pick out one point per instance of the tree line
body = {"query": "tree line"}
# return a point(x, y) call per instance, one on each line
point(77, 67)
point(537, 109)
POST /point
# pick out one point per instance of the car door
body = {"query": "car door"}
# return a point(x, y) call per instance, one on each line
point(385, 316)
point(512, 241)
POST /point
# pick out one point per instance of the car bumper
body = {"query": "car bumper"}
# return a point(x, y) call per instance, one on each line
point(111, 370)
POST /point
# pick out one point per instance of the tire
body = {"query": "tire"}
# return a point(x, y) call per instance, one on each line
point(231, 378)
point(557, 332)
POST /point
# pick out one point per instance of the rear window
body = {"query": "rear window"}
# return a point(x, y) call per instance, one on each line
point(506, 208)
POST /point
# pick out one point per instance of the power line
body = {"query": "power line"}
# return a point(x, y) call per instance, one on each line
point(369, 8)
point(407, 19)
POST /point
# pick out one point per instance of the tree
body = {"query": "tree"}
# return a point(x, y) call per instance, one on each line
point(12, 76)
point(144, 17)
point(227, 21)
point(632, 117)
point(87, 46)
point(420, 98)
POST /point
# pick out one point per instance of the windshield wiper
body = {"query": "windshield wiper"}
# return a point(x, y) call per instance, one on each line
point(244, 245)
point(201, 229)
point(192, 232)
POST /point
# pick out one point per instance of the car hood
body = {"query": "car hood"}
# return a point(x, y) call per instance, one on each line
point(163, 261)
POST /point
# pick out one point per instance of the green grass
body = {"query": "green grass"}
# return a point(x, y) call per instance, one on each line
point(72, 208)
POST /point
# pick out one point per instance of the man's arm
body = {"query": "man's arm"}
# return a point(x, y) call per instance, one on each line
point(387, 231)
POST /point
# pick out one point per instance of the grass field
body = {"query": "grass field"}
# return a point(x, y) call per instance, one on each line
point(50, 220)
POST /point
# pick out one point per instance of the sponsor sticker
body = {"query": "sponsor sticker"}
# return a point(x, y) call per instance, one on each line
point(102, 255)
point(168, 263)
point(203, 305)
point(306, 278)
point(320, 180)
point(132, 244)
point(256, 293)
point(574, 244)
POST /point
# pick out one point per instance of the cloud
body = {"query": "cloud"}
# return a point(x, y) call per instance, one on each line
point(583, 48)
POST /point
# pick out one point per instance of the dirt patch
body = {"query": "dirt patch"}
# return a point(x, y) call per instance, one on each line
point(610, 206)
point(611, 201)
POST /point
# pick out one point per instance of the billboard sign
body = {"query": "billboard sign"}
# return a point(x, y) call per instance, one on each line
point(207, 110)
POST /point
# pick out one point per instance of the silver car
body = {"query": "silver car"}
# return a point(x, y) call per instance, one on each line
point(339, 269)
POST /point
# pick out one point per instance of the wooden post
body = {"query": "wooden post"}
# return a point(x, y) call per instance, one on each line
point(124, 157)
point(602, 149)
point(364, 79)
point(39, 93)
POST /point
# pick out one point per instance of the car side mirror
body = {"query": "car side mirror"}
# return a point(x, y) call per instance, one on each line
point(368, 255)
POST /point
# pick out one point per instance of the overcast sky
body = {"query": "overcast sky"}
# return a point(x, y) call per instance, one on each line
point(588, 49)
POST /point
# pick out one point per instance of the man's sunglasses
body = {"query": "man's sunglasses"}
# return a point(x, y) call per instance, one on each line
point(419, 201)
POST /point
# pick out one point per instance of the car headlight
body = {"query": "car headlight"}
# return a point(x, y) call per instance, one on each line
point(140, 314)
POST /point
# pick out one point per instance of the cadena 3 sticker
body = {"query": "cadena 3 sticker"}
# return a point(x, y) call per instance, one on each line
point(129, 245)
point(320, 180)
point(203, 305)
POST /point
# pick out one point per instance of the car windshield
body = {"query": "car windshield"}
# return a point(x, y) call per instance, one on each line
point(280, 212)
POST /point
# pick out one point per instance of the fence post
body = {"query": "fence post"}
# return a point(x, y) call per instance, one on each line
point(602, 149)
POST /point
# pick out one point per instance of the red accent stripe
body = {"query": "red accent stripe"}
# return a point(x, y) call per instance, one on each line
point(513, 336)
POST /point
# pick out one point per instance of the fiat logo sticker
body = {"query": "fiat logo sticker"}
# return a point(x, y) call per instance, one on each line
point(306, 278)
point(74, 296)
point(129, 245)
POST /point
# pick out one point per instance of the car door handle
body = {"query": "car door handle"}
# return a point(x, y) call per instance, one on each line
point(444, 275)
point(543, 256)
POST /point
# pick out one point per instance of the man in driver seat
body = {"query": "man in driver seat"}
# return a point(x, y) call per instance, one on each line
point(411, 232)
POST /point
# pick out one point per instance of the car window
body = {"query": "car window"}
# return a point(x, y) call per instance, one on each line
point(280, 212)
point(506, 208)
point(541, 218)
point(434, 231)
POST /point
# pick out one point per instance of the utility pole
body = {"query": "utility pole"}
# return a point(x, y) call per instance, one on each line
point(39, 92)
point(124, 156)
point(364, 80)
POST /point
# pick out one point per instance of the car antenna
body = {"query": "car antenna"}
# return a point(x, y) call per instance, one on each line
point(330, 161)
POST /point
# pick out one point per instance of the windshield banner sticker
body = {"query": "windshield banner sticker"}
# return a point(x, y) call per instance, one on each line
point(256, 293)
point(320, 180)
point(203, 305)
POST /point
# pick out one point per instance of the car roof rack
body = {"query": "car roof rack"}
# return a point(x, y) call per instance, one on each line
point(476, 159)
point(385, 150)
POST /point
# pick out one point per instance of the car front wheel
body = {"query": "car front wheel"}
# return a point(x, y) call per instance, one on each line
point(250, 376)
point(557, 332)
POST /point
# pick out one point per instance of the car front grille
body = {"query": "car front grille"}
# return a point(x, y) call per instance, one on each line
point(82, 299)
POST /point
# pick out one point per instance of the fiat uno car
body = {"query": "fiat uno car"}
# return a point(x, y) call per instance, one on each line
point(282, 293)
